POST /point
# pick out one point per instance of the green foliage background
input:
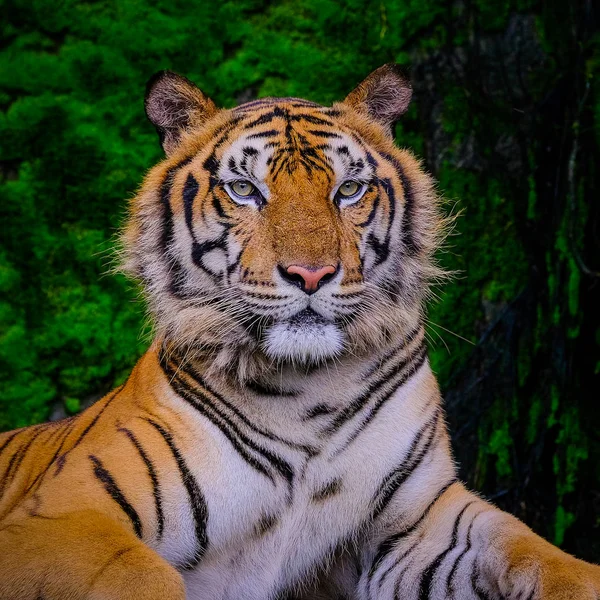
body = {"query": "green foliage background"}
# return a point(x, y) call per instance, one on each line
point(506, 114)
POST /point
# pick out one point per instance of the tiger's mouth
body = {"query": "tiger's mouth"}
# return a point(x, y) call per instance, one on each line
point(306, 337)
point(307, 318)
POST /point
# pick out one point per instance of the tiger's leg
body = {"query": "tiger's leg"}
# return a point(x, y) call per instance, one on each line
point(463, 548)
point(81, 556)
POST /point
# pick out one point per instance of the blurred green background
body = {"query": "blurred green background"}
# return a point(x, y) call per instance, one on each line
point(506, 115)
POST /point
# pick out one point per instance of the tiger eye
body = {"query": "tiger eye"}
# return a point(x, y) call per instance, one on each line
point(242, 188)
point(349, 188)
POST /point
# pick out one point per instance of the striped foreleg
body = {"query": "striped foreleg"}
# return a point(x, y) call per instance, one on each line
point(462, 548)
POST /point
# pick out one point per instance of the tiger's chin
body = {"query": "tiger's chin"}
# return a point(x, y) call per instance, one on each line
point(306, 338)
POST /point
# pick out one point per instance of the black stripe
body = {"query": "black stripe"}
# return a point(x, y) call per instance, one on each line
point(311, 119)
point(165, 199)
point(204, 405)
point(10, 439)
point(459, 558)
point(409, 206)
point(236, 441)
point(200, 249)
point(372, 213)
point(265, 389)
point(198, 504)
point(429, 575)
point(479, 592)
point(264, 134)
point(265, 524)
point(60, 463)
point(391, 568)
point(204, 386)
point(394, 480)
point(330, 489)
point(324, 134)
point(405, 375)
point(266, 117)
point(295, 102)
point(384, 378)
point(190, 190)
point(318, 410)
point(382, 248)
point(160, 517)
point(390, 543)
point(116, 494)
point(65, 434)
point(20, 456)
point(380, 364)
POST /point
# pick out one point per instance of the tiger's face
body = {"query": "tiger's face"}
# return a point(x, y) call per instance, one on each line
point(296, 231)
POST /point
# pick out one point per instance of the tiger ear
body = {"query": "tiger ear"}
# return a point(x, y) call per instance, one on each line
point(174, 104)
point(384, 95)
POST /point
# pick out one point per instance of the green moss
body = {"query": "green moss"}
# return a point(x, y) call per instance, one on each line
point(499, 445)
point(554, 403)
point(562, 521)
point(72, 405)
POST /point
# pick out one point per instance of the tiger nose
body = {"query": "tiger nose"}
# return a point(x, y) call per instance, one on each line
point(309, 279)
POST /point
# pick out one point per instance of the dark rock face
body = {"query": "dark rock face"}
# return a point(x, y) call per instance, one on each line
point(524, 396)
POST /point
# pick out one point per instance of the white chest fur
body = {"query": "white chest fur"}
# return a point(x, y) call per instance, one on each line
point(267, 531)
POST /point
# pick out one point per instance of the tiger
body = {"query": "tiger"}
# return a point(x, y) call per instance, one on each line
point(284, 434)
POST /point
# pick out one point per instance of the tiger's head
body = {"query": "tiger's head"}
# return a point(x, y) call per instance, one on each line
point(281, 230)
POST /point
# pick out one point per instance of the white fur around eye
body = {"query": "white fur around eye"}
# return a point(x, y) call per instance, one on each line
point(253, 198)
point(342, 200)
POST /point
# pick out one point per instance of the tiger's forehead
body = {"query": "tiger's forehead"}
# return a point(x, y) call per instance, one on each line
point(279, 136)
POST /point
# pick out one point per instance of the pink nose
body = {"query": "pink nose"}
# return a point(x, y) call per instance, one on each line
point(310, 279)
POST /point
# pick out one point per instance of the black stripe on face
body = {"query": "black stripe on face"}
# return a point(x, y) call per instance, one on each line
point(165, 199)
point(160, 517)
point(199, 250)
point(409, 207)
point(382, 248)
point(277, 112)
point(116, 494)
point(175, 267)
point(294, 102)
point(311, 119)
point(372, 214)
point(269, 133)
point(190, 191)
point(325, 134)
point(197, 502)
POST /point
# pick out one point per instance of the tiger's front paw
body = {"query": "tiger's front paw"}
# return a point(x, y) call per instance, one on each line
point(569, 580)
point(543, 572)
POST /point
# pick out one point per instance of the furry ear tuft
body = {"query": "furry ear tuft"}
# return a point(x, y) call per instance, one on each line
point(174, 104)
point(384, 95)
